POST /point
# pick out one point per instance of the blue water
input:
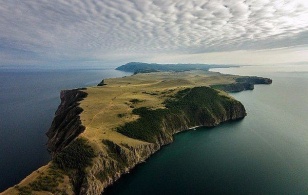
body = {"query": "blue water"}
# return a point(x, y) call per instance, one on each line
point(28, 101)
point(265, 153)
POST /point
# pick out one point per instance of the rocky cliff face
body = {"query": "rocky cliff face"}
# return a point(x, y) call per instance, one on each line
point(107, 168)
point(66, 125)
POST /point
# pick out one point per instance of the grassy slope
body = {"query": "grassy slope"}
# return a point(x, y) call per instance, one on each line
point(104, 104)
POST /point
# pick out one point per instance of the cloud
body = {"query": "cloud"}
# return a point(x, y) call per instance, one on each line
point(95, 29)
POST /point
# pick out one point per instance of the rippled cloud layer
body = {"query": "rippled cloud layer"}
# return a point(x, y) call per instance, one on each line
point(97, 29)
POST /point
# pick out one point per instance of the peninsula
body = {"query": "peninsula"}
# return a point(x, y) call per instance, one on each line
point(100, 133)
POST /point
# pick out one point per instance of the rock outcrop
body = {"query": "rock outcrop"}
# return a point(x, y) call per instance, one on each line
point(66, 125)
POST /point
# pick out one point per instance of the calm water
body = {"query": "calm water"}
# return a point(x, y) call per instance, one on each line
point(266, 153)
point(27, 104)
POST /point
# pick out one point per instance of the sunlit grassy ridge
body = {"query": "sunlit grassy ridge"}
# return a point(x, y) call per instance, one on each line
point(117, 103)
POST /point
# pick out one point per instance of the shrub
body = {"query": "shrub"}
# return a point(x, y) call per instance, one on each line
point(121, 115)
point(77, 155)
point(25, 190)
point(43, 182)
point(135, 101)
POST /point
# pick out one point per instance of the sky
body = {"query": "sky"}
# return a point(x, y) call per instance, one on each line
point(113, 32)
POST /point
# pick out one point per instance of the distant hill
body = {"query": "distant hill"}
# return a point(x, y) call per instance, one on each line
point(139, 67)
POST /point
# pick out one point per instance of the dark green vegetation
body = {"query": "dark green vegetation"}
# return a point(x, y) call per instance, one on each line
point(242, 83)
point(47, 182)
point(25, 190)
point(190, 107)
point(44, 182)
point(147, 127)
point(74, 159)
point(77, 155)
point(139, 67)
point(135, 101)
point(121, 115)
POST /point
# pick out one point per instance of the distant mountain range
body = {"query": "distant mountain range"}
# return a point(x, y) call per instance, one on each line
point(140, 67)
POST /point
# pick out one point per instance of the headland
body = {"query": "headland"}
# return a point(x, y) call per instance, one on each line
point(100, 133)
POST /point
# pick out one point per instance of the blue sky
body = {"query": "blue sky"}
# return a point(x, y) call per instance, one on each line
point(110, 33)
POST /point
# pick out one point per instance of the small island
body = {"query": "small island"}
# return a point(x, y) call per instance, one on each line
point(100, 133)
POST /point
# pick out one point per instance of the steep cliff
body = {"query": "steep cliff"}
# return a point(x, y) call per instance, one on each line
point(109, 166)
point(66, 125)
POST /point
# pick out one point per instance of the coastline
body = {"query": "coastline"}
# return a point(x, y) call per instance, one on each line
point(141, 148)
